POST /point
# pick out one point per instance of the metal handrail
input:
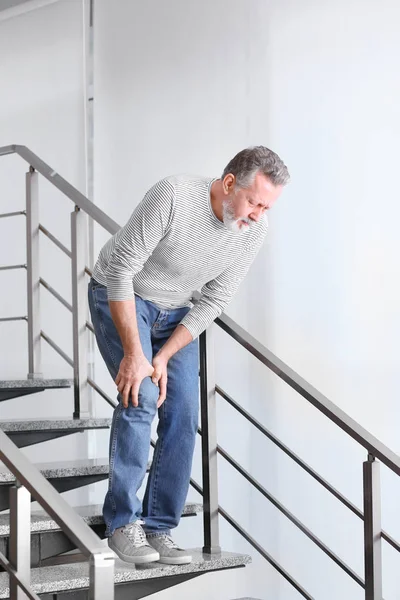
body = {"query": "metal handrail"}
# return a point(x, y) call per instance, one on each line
point(311, 394)
point(27, 475)
point(289, 452)
point(345, 501)
point(62, 184)
point(278, 505)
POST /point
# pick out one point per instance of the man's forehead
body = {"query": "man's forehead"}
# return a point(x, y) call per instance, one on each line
point(260, 187)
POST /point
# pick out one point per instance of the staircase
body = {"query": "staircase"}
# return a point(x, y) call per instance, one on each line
point(69, 576)
point(33, 546)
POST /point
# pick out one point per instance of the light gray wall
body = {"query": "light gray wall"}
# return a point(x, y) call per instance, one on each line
point(181, 87)
point(42, 107)
point(4, 4)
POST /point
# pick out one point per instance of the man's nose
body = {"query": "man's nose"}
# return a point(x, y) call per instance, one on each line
point(256, 215)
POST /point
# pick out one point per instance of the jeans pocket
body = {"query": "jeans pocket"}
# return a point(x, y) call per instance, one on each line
point(95, 284)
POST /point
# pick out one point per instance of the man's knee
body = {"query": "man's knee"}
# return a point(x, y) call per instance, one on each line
point(148, 395)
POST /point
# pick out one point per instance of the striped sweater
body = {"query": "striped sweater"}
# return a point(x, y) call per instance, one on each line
point(172, 245)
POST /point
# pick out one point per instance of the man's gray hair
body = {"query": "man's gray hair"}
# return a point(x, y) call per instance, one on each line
point(247, 163)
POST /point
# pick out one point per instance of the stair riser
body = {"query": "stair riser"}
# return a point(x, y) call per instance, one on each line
point(48, 544)
point(62, 484)
point(16, 393)
point(22, 439)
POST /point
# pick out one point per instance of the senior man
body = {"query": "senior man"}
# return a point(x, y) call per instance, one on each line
point(188, 232)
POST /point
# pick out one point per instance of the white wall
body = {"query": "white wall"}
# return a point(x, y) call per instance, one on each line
point(333, 283)
point(42, 107)
point(182, 87)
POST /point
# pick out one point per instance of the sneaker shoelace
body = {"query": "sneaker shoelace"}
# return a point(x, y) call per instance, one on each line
point(169, 542)
point(135, 533)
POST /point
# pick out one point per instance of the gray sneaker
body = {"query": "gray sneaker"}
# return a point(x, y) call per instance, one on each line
point(170, 553)
point(130, 544)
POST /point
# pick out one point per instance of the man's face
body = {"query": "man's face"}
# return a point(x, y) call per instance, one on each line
point(242, 208)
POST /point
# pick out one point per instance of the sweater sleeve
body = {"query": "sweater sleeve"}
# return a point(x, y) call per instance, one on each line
point(136, 241)
point(217, 293)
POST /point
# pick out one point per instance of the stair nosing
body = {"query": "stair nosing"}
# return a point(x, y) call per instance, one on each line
point(93, 466)
point(27, 425)
point(15, 384)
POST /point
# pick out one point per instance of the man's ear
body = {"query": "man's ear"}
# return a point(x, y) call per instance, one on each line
point(228, 183)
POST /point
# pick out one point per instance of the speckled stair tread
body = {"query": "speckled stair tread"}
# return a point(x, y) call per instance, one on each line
point(75, 576)
point(53, 424)
point(9, 384)
point(89, 466)
point(91, 514)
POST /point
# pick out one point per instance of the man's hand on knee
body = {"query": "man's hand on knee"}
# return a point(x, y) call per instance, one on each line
point(132, 370)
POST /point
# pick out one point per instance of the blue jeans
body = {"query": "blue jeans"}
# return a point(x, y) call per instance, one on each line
point(169, 476)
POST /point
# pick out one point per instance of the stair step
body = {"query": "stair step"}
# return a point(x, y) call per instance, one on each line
point(91, 514)
point(69, 577)
point(25, 433)
point(68, 468)
point(63, 476)
point(13, 388)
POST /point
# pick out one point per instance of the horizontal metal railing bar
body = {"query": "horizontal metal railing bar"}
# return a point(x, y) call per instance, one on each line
point(255, 545)
point(301, 463)
point(55, 241)
point(12, 214)
point(4, 319)
point(92, 383)
point(55, 294)
point(310, 393)
point(57, 349)
point(62, 184)
point(264, 553)
point(98, 389)
point(5, 563)
point(290, 453)
point(61, 246)
point(90, 326)
point(11, 267)
point(391, 541)
point(290, 516)
point(53, 503)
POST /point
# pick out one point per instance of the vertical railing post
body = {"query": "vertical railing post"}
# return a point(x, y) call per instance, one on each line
point(79, 312)
point(101, 577)
point(20, 538)
point(209, 442)
point(33, 275)
point(372, 529)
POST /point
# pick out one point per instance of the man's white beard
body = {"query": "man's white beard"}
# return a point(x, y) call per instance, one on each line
point(230, 221)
